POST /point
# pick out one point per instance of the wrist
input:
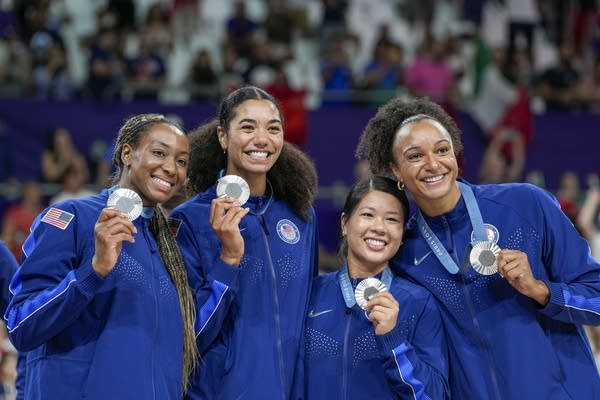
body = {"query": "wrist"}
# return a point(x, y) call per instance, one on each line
point(541, 293)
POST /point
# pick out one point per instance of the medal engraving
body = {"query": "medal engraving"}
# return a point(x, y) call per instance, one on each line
point(127, 201)
point(234, 186)
point(367, 288)
point(483, 258)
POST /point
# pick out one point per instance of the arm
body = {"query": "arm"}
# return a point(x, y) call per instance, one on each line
point(415, 363)
point(8, 266)
point(573, 276)
point(53, 286)
point(213, 281)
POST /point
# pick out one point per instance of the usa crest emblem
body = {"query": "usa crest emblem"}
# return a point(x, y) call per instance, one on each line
point(288, 231)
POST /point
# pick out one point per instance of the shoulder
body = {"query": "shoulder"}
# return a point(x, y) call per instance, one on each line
point(511, 192)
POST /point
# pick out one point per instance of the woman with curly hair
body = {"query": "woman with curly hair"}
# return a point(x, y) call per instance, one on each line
point(514, 280)
point(271, 239)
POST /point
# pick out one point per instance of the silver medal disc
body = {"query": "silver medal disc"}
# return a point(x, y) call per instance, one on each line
point(127, 201)
point(367, 288)
point(484, 257)
point(234, 186)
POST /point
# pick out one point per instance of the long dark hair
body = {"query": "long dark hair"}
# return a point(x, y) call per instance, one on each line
point(130, 133)
point(360, 190)
point(293, 176)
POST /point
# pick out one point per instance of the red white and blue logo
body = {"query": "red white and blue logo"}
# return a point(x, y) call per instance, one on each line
point(288, 231)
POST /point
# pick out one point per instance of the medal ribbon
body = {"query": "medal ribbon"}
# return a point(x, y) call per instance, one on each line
point(346, 285)
point(476, 221)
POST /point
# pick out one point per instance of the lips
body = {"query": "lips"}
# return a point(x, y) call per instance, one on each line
point(375, 244)
point(434, 179)
point(161, 183)
point(258, 155)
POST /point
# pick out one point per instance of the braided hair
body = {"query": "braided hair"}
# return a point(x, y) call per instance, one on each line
point(209, 158)
point(376, 142)
point(130, 133)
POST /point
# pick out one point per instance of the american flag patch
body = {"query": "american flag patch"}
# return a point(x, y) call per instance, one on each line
point(174, 225)
point(59, 218)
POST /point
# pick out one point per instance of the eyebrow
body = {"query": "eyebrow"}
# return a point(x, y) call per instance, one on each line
point(167, 146)
point(373, 209)
point(253, 121)
point(436, 143)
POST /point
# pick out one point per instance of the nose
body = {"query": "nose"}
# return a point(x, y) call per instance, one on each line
point(260, 136)
point(377, 225)
point(432, 161)
point(169, 165)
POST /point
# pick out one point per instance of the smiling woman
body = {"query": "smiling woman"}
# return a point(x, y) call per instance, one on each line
point(271, 241)
point(514, 280)
point(96, 290)
point(369, 332)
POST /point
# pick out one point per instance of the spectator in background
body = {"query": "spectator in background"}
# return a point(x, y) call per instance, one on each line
point(59, 155)
point(336, 70)
point(51, 79)
point(569, 196)
point(204, 79)
point(72, 187)
point(146, 72)
point(15, 64)
point(559, 85)
point(241, 30)
point(19, 217)
point(430, 74)
point(106, 69)
point(496, 165)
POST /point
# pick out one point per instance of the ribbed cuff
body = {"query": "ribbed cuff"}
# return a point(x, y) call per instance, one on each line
point(88, 281)
point(556, 302)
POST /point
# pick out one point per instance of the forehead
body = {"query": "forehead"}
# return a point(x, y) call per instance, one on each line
point(167, 134)
point(256, 109)
point(380, 200)
point(420, 131)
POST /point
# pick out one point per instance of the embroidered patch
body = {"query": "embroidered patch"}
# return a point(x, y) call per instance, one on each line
point(174, 225)
point(491, 231)
point(288, 231)
point(59, 218)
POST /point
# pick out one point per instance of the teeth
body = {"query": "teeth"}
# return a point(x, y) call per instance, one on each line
point(258, 154)
point(434, 179)
point(162, 182)
point(375, 243)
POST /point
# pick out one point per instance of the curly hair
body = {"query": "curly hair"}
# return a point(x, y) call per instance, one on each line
point(377, 139)
point(208, 158)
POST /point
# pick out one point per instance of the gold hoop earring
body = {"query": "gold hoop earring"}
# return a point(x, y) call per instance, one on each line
point(400, 186)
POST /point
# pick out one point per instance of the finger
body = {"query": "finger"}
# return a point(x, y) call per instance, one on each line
point(116, 223)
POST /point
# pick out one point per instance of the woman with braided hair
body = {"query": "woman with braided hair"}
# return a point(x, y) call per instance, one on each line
point(102, 304)
point(271, 240)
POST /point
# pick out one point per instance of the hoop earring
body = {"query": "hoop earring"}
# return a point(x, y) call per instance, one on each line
point(400, 186)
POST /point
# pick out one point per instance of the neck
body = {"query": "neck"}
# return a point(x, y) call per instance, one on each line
point(361, 271)
point(258, 185)
point(436, 207)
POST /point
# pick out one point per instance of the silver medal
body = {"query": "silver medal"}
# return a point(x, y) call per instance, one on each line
point(234, 186)
point(127, 201)
point(367, 288)
point(484, 257)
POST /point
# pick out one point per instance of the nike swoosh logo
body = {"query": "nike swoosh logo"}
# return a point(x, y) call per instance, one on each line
point(313, 314)
point(418, 261)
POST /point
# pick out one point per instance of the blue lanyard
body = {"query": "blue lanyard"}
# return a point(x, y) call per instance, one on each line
point(346, 285)
point(476, 221)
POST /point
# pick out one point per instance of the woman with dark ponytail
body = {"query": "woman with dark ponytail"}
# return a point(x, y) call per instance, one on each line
point(102, 302)
point(271, 240)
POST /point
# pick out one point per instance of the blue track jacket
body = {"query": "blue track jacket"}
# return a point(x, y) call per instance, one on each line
point(117, 337)
point(345, 360)
point(504, 345)
point(259, 352)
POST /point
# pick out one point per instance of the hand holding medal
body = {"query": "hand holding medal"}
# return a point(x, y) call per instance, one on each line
point(514, 266)
point(226, 214)
point(380, 307)
point(114, 226)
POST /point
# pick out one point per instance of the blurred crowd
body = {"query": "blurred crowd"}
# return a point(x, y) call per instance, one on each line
point(453, 51)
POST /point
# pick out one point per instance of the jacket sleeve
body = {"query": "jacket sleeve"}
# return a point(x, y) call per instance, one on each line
point(214, 285)
point(54, 284)
point(572, 275)
point(8, 266)
point(417, 368)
